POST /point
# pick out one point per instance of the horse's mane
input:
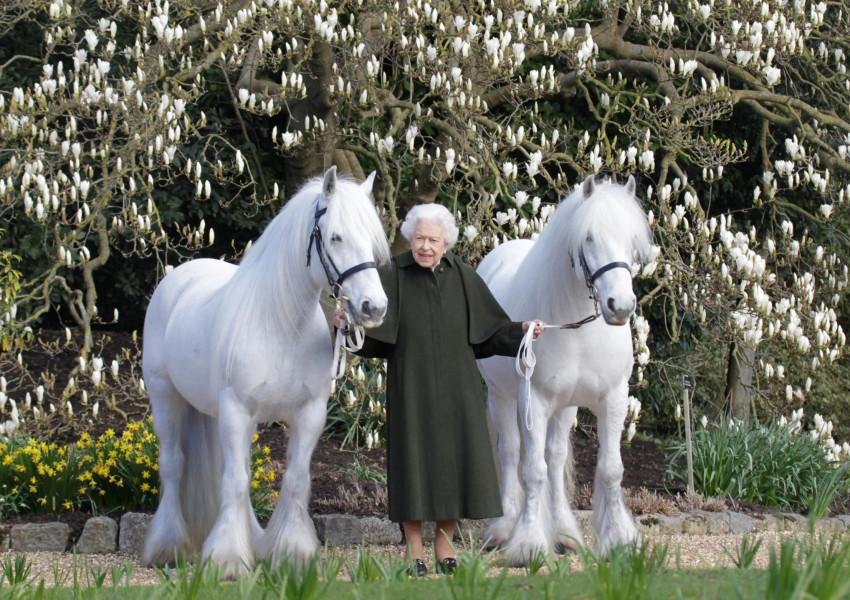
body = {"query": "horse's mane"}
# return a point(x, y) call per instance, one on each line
point(610, 213)
point(267, 290)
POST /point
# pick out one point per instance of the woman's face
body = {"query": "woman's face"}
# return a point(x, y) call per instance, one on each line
point(428, 244)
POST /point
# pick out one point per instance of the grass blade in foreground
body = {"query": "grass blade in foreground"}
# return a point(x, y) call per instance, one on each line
point(626, 573)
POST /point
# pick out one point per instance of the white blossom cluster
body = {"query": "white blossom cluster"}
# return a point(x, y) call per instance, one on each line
point(106, 126)
point(36, 405)
point(360, 403)
point(632, 416)
point(820, 432)
point(89, 140)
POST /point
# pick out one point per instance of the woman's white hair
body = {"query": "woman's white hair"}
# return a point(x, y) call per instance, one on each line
point(431, 213)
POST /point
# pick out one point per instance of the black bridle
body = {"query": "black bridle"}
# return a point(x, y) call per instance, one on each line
point(590, 281)
point(327, 261)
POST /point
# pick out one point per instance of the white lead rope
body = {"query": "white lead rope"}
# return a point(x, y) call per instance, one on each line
point(350, 338)
point(526, 360)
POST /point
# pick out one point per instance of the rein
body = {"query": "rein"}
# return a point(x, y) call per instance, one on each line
point(350, 336)
point(526, 360)
point(327, 261)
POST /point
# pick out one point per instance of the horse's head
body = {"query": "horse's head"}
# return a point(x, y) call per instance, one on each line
point(349, 242)
point(612, 235)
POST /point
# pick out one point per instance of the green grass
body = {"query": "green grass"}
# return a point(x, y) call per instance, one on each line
point(363, 472)
point(627, 572)
point(671, 584)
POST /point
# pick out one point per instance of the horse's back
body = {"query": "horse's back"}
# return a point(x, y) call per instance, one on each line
point(194, 276)
point(180, 316)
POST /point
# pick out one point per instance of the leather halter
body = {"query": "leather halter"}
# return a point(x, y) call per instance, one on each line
point(590, 281)
point(327, 261)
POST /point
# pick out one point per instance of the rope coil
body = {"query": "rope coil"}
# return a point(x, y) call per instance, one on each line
point(526, 360)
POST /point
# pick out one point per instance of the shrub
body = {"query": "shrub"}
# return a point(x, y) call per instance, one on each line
point(112, 472)
point(765, 464)
point(37, 477)
point(120, 471)
point(363, 472)
point(357, 414)
point(9, 288)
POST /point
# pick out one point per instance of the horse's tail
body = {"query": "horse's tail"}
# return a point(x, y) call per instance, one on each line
point(202, 473)
point(569, 469)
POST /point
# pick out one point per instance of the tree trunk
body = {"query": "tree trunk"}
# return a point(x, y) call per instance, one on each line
point(314, 156)
point(739, 381)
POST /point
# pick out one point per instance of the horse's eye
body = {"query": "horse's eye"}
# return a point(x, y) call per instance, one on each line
point(589, 238)
point(335, 237)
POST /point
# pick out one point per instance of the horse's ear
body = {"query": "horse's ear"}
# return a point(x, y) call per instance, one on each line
point(631, 185)
point(329, 183)
point(588, 186)
point(366, 186)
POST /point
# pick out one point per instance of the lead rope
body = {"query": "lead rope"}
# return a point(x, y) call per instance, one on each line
point(526, 360)
point(349, 338)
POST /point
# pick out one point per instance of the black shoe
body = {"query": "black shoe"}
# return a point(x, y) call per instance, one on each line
point(447, 566)
point(421, 568)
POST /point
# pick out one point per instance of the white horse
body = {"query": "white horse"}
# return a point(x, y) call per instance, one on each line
point(580, 263)
point(227, 347)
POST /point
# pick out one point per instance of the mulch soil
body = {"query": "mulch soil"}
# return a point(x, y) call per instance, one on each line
point(334, 488)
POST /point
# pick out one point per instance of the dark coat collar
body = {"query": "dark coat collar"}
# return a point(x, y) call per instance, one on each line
point(405, 259)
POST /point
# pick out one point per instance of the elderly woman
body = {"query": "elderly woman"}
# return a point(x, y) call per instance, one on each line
point(441, 318)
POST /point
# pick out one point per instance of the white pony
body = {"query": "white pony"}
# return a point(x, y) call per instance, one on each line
point(581, 263)
point(227, 347)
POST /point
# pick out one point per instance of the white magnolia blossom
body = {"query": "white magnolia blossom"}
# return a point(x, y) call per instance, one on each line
point(730, 278)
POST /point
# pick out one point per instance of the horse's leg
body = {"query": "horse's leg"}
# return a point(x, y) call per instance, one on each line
point(230, 543)
point(504, 415)
point(565, 531)
point(611, 519)
point(290, 533)
point(531, 533)
point(167, 532)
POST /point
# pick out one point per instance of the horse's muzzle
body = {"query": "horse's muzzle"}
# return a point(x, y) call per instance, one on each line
point(615, 314)
point(369, 314)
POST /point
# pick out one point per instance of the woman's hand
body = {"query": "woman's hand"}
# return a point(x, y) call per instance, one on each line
point(339, 315)
point(539, 327)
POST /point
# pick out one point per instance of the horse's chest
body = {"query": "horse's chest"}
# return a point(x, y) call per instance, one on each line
point(592, 366)
point(275, 379)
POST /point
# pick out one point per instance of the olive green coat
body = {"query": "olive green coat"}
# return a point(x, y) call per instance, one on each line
point(440, 462)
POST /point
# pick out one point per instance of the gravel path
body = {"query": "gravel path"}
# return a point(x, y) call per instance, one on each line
point(687, 551)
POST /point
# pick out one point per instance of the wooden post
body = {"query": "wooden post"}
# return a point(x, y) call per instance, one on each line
point(688, 384)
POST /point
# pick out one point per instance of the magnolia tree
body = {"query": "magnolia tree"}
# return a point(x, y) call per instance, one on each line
point(733, 117)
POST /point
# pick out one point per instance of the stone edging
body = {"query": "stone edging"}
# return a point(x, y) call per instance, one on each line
point(127, 535)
